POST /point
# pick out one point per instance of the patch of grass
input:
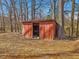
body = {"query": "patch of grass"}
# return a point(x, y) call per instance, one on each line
point(15, 46)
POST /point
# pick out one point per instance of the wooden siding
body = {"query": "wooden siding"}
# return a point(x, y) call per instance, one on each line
point(47, 29)
point(27, 30)
point(42, 31)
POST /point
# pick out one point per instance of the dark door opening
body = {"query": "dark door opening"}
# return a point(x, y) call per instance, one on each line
point(35, 30)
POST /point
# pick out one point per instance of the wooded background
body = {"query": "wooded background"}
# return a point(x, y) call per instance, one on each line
point(13, 12)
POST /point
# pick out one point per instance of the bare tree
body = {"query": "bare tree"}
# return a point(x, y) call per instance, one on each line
point(72, 16)
point(21, 16)
point(26, 10)
point(9, 7)
point(15, 14)
point(2, 21)
point(52, 9)
point(33, 9)
point(77, 33)
point(61, 19)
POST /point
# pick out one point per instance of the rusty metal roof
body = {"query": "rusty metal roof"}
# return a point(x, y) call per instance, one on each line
point(38, 21)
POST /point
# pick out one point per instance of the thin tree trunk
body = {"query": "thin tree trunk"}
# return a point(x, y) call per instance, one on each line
point(40, 14)
point(10, 17)
point(77, 33)
point(26, 10)
point(15, 15)
point(21, 11)
point(3, 22)
point(33, 9)
point(1, 16)
point(10, 14)
point(72, 17)
point(52, 9)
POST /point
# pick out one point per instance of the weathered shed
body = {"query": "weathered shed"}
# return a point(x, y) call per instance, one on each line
point(42, 29)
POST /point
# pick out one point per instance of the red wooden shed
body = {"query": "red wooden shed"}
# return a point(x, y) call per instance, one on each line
point(42, 29)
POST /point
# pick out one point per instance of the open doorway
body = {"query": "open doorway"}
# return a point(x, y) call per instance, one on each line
point(35, 30)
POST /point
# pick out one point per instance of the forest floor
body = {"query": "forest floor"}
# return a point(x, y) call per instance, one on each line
point(15, 46)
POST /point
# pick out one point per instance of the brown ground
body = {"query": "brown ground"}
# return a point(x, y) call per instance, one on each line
point(15, 46)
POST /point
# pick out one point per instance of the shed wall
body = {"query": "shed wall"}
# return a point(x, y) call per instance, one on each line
point(47, 30)
point(27, 30)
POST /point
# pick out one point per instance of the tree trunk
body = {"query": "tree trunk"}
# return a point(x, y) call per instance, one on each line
point(26, 10)
point(52, 9)
point(61, 20)
point(15, 14)
point(72, 17)
point(77, 33)
point(3, 22)
point(10, 17)
point(33, 9)
point(21, 15)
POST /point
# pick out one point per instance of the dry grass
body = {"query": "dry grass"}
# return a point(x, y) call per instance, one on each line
point(15, 46)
